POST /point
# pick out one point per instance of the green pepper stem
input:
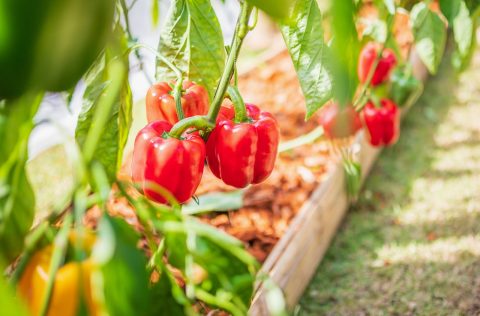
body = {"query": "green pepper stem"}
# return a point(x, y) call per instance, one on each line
point(177, 95)
point(241, 31)
point(198, 121)
point(238, 104)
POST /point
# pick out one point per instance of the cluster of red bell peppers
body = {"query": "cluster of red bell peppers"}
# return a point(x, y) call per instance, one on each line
point(238, 151)
point(241, 149)
point(381, 118)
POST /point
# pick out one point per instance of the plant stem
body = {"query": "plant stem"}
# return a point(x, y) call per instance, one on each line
point(198, 121)
point(61, 243)
point(177, 90)
point(30, 247)
point(358, 104)
point(238, 104)
point(301, 140)
point(177, 95)
point(241, 31)
point(125, 10)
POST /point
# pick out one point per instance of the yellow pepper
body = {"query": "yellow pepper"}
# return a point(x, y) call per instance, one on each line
point(72, 282)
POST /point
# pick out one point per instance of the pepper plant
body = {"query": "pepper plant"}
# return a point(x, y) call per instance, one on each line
point(184, 266)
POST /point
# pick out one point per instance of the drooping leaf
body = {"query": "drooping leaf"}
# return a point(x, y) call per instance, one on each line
point(192, 40)
point(17, 200)
point(345, 50)
point(306, 45)
point(123, 268)
point(109, 151)
point(215, 201)
point(430, 35)
point(463, 25)
point(279, 9)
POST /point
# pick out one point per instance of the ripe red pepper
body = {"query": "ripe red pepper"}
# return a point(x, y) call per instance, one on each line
point(161, 102)
point(339, 123)
point(385, 65)
point(173, 164)
point(383, 123)
point(241, 153)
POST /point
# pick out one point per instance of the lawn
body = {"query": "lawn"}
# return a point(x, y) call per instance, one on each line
point(411, 245)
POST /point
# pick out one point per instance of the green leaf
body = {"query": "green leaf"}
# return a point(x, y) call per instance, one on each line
point(463, 25)
point(154, 12)
point(230, 269)
point(279, 9)
point(192, 40)
point(109, 151)
point(123, 268)
point(17, 200)
point(215, 201)
point(403, 84)
point(163, 301)
point(10, 303)
point(305, 42)
point(353, 178)
point(463, 31)
point(375, 29)
point(345, 50)
point(390, 5)
point(430, 36)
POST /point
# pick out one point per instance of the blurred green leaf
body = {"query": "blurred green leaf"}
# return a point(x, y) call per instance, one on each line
point(215, 201)
point(390, 5)
point(163, 302)
point(430, 35)
point(305, 42)
point(403, 84)
point(17, 200)
point(109, 150)
point(275, 298)
point(230, 269)
point(155, 11)
point(192, 40)
point(375, 29)
point(463, 25)
point(9, 301)
point(279, 9)
point(123, 268)
point(353, 178)
point(345, 50)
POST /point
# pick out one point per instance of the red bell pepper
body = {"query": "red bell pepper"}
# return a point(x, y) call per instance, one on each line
point(339, 123)
point(383, 123)
point(241, 153)
point(161, 102)
point(173, 164)
point(385, 65)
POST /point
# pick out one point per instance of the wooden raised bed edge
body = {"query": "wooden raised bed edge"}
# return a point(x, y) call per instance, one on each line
point(295, 257)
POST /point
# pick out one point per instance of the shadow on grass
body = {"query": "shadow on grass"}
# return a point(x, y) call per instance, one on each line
point(348, 282)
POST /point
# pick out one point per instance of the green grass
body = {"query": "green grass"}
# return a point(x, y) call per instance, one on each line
point(411, 245)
